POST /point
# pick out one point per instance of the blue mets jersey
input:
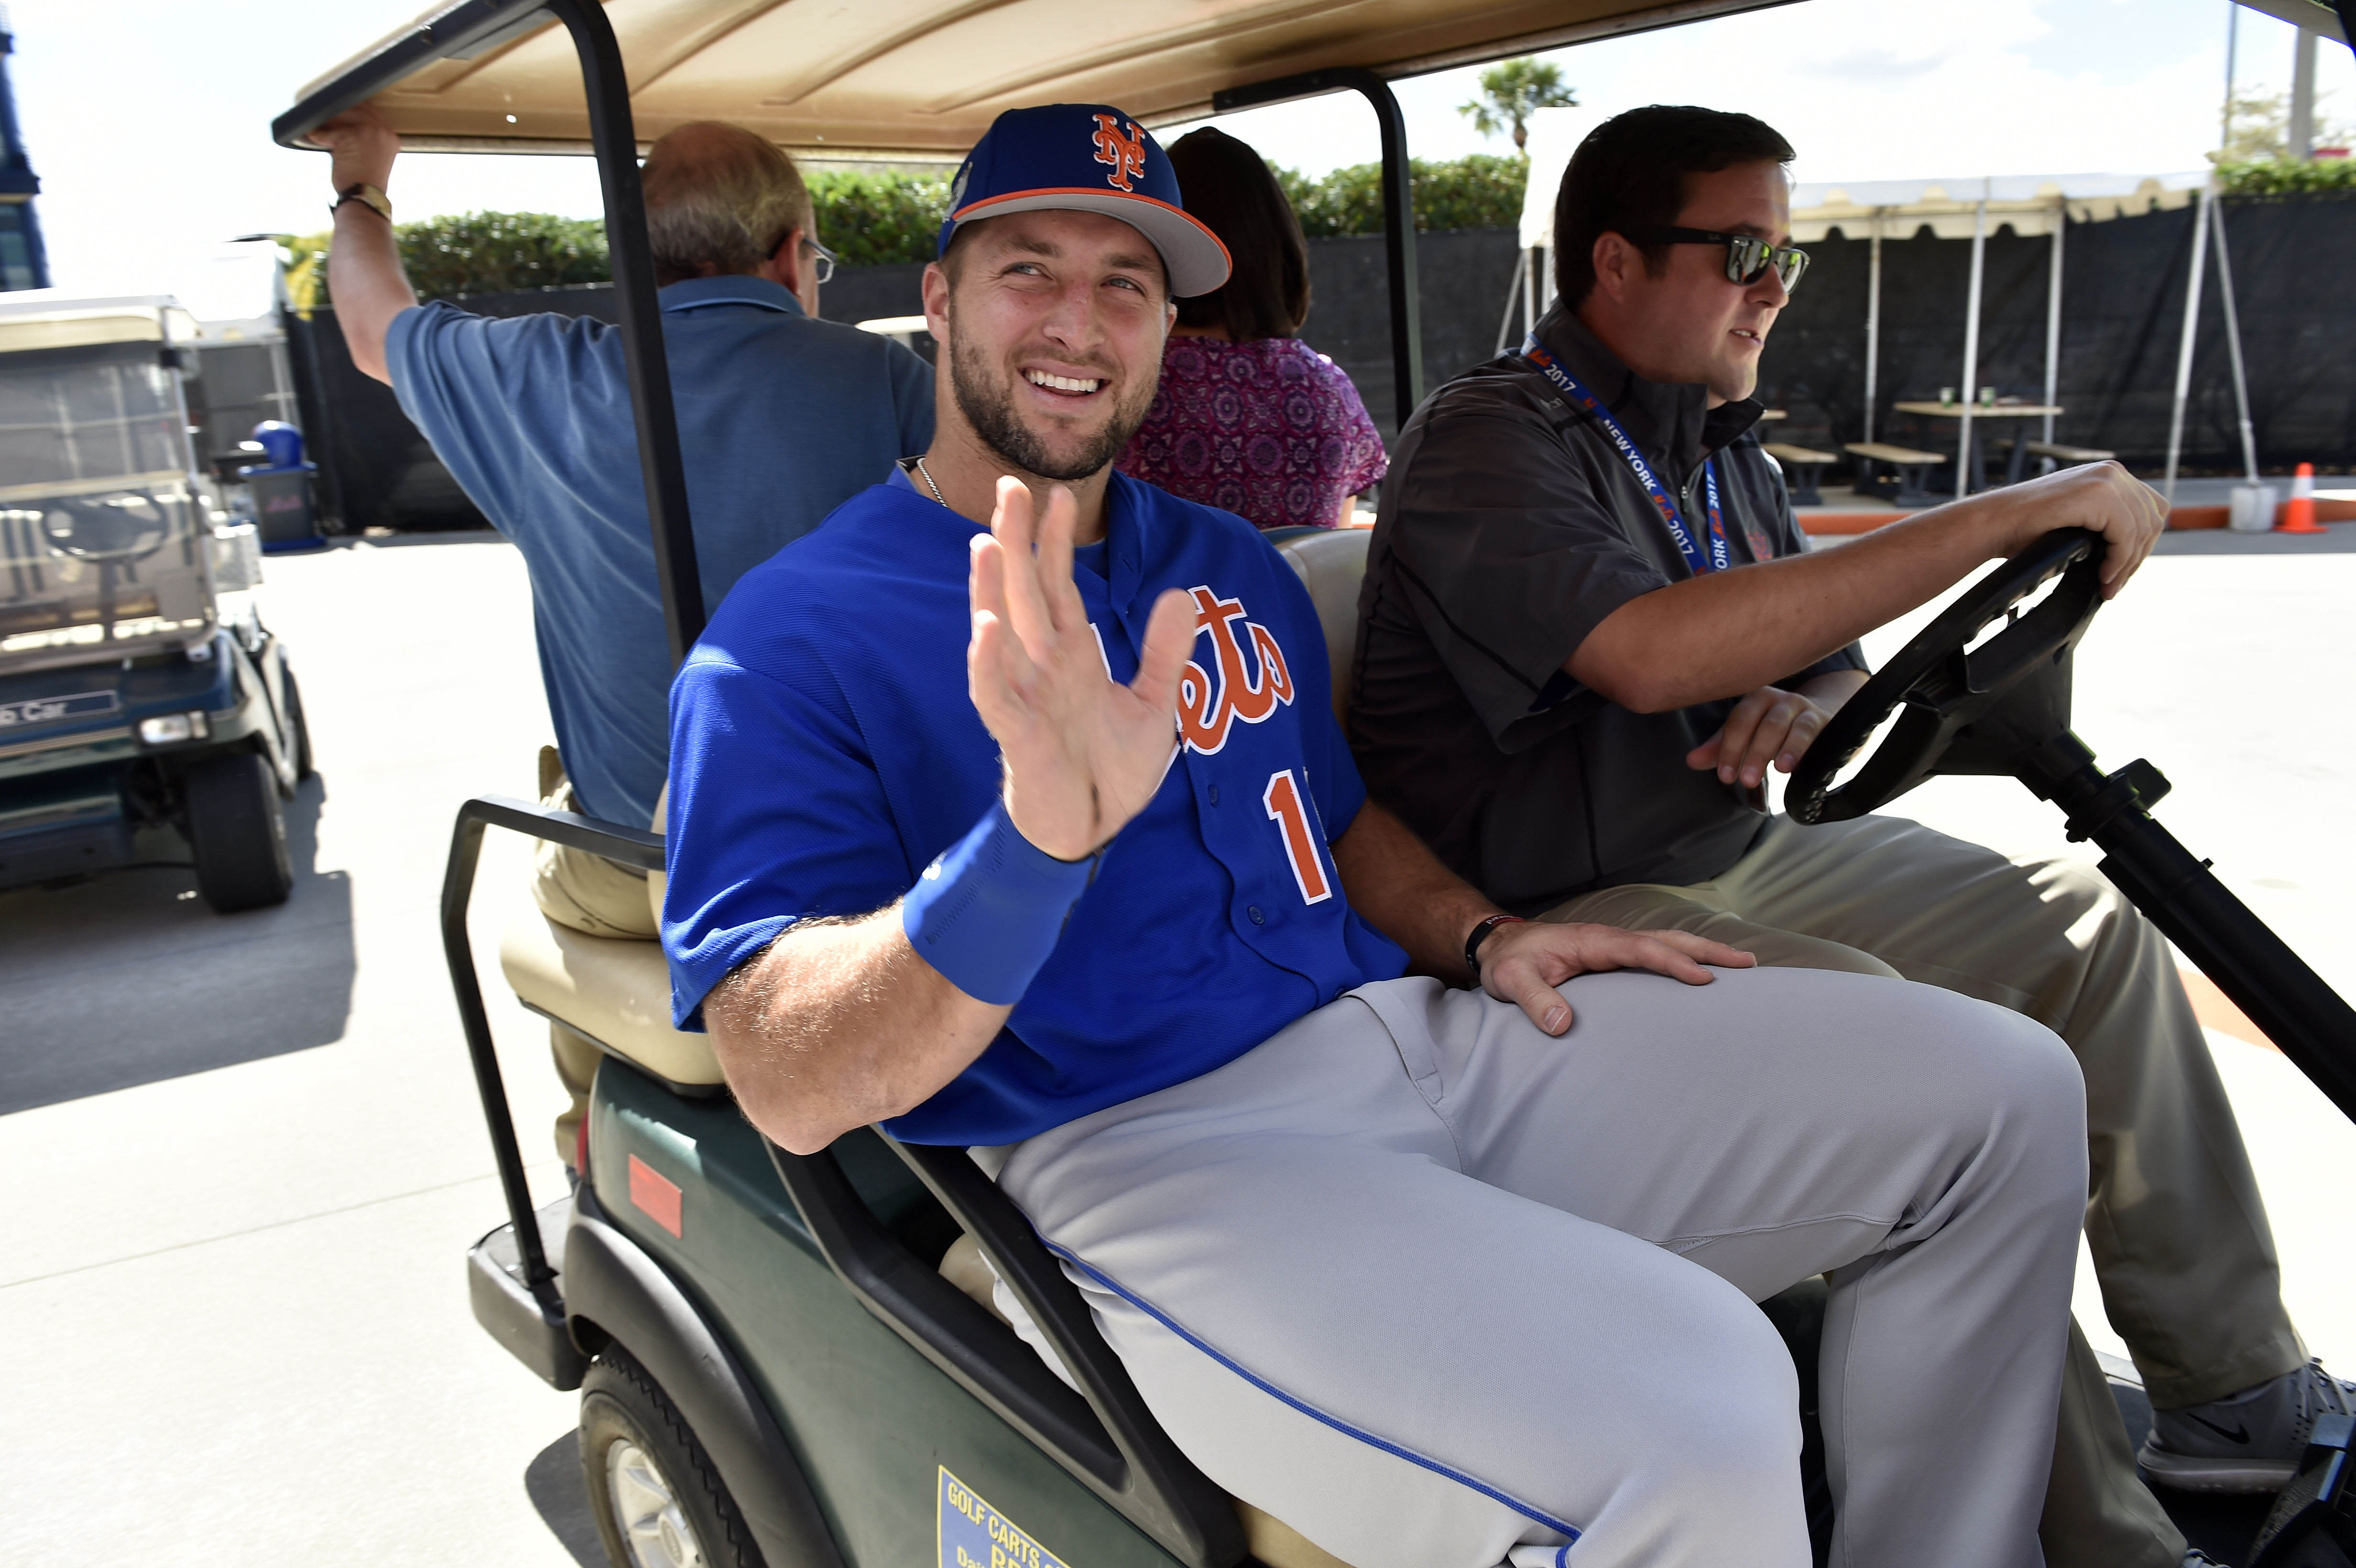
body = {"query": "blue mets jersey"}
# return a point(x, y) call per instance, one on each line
point(824, 751)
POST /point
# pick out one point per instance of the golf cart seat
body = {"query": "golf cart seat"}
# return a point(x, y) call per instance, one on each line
point(1332, 562)
point(614, 989)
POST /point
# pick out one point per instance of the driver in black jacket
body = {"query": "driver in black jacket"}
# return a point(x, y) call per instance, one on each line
point(1589, 626)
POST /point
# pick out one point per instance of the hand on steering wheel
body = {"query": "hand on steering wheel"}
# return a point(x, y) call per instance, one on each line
point(2103, 498)
point(1942, 685)
point(1771, 727)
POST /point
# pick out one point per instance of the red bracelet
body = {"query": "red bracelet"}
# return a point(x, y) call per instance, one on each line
point(1480, 935)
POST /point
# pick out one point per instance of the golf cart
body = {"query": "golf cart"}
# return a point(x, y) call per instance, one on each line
point(800, 1360)
point(138, 685)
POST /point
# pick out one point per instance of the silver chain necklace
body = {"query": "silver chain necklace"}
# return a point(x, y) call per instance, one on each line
point(928, 482)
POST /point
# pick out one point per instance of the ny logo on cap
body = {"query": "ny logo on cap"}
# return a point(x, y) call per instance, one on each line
point(1125, 154)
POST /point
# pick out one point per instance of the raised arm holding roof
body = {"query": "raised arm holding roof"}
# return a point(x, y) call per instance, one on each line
point(370, 286)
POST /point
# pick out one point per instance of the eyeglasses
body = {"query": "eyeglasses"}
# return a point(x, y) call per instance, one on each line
point(1748, 257)
point(823, 269)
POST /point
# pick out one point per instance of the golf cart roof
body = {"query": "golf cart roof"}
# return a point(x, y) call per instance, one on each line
point(45, 318)
point(921, 80)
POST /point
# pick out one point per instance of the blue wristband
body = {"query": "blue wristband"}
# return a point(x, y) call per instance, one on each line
point(987, 913)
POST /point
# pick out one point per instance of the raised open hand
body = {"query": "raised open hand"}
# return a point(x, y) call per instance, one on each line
point(1082, 755)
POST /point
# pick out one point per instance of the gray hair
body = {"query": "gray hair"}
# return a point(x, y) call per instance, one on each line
point(719, 199)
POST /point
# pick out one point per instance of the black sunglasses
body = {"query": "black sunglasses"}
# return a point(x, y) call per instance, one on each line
point(1748, 257)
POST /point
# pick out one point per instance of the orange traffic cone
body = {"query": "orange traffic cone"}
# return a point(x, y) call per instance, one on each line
point(2299, 512)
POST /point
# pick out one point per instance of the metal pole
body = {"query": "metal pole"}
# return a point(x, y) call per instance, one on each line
point(1971, 350)
point(2302, 96)
point(1872, 325)
point(1398, 247)
point(1529, 290)
point(2053, 321)
point(2233, 342)
point(2184, 348)
point(2233, 38)
point(1398, 205)
point(1513, 297)
point(606, 84)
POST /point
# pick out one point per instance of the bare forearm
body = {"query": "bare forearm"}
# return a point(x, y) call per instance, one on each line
point(1403, 892)
point(839, 1024)
point(366, 280)
point(1834, 687)
point(1726, 633)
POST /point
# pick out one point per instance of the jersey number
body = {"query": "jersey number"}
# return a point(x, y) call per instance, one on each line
point(1282, 799)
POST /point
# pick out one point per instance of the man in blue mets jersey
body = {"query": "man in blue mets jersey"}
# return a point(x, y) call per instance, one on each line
point(1007, 811)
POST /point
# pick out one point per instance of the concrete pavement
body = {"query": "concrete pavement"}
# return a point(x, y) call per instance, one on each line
point(245, 1160)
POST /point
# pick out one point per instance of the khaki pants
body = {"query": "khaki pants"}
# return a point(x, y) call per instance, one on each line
point(2178, 1236)
point(594, 896)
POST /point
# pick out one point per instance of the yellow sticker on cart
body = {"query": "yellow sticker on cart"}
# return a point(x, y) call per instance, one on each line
point(972, 1534)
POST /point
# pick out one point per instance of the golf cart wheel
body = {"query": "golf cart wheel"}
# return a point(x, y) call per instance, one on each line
point(656, 1498)
point(298, 731)
point(237, 832)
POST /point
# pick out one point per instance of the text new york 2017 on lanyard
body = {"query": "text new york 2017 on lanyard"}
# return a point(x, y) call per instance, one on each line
point(1696, 560)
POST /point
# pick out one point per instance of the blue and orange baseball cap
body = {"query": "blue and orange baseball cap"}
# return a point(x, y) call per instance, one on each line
point(1088, 158)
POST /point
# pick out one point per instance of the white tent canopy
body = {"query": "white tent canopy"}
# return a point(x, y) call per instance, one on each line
point(2030, 203)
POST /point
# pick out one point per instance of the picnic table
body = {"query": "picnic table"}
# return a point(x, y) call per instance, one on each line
point(1974, 465)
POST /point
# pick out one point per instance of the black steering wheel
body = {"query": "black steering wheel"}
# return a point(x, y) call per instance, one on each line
point(1944, 688)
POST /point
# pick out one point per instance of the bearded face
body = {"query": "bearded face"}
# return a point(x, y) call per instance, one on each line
point(1056, 322)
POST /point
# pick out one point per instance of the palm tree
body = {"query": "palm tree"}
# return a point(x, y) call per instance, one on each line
point(1510, 92)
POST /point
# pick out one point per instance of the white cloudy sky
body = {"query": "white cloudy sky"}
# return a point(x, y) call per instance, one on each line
point(148, 119)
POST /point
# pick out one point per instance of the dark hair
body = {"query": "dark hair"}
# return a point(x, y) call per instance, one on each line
point(1230, 189)
point(1630, 173)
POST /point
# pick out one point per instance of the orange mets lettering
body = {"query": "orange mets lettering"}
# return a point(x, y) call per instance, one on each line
point(1125, 154)
point(1208, 708)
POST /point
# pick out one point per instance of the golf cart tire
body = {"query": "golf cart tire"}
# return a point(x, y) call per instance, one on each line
point(616, 1295)
point(298, 731)
point(238, 831)
point(620, 1403)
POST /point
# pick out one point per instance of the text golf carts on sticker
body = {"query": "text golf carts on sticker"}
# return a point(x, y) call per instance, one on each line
point(975, 1535)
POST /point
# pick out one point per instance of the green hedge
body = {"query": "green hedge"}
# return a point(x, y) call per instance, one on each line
point(471, 253)
point(1482, 191)
point(2286, 176)
point(875, 220)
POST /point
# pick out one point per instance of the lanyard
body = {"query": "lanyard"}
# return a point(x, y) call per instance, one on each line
point(1579, 397)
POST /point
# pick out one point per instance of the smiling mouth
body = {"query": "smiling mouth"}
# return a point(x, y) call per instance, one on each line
point(1749, 336)
point(1066, 385)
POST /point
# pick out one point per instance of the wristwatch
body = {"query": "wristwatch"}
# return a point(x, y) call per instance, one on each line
point(1480, 935)
point(369, 196)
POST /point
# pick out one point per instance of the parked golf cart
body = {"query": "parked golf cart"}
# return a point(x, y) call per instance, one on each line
point(138, 685)
point(799, 1361)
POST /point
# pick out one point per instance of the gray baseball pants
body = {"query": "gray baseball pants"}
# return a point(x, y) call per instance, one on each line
point(1440, 1291)
point(2173, 1216)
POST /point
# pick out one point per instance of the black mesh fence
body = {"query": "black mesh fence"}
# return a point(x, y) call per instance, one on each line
point(2122, 316)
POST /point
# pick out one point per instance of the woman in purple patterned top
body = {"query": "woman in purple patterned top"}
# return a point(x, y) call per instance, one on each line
point(1248, 417)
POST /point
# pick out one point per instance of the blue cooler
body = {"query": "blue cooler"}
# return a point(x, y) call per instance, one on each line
point(284, 513)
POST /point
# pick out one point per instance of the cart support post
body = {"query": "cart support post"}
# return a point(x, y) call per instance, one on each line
point(1398, 207)
point(615, 136)
point(625, 845)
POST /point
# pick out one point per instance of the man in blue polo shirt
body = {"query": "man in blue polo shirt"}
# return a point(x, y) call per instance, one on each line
point(1040, 837)
point(781, 418)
